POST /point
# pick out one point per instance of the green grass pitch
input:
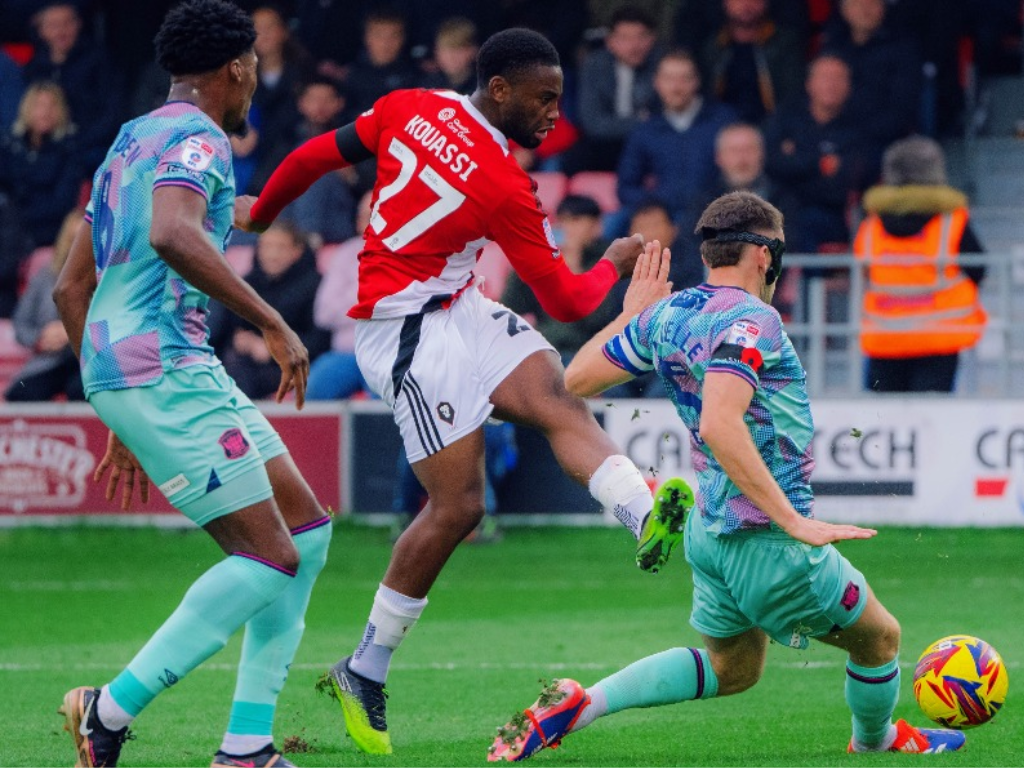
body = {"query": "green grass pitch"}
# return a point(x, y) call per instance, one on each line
point(75, 604)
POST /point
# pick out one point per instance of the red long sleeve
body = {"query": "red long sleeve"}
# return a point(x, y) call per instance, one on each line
point(569, 297)
point(296, 174)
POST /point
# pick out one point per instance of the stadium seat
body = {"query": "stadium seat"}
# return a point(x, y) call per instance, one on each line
point(12, 355)
point(240, 258)
point(494, 268)
point(551, 188)
point(600, 185)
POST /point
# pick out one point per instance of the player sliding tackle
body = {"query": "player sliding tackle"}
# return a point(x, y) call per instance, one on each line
point(443, 356)
point(762, 565)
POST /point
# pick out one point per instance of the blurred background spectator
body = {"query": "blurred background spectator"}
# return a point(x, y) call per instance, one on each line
point(918, 315)
point(92, 87)
point(753, 64)
point(283, 68)
point(40, 164)
point(335, 375)
point(383, 64)
point(284, 274)
point(885, 69)
point(616, 90)
point(53, 368)
point(455, 50)
point(327, 209)
point(819, 157)
point(671, 156)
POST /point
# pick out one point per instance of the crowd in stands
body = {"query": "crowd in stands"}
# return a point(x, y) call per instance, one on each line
point(666, 106)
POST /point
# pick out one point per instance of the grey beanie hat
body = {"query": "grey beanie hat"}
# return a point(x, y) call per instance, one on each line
point(916, 160)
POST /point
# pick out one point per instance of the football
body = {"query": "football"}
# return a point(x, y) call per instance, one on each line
point(960, 681)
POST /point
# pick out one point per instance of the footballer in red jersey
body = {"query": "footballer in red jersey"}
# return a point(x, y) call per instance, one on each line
point(445, 357)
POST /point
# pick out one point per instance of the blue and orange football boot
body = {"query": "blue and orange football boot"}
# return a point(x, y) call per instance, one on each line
point(923, 740)
point(542, 725)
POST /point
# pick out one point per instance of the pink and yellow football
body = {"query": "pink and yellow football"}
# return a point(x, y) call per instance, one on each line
point(960, 681)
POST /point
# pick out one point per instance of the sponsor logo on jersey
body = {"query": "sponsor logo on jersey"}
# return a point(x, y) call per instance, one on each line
point(743, 332)
point(446, 114)
point(234, 444)
point(196, 155)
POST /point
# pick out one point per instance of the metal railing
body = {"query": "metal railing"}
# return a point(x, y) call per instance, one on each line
point(825, 324)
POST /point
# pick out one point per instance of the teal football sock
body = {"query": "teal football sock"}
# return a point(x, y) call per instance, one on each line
point(678, 674)
point(271, 639)
point(872, 693)
point(215, 606)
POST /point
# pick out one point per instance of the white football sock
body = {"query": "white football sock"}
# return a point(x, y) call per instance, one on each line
point(392, 616)
point(111, 714)
point(620, 487)
point(597, 707)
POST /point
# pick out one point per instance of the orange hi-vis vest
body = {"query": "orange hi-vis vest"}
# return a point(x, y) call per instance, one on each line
point(917, 302)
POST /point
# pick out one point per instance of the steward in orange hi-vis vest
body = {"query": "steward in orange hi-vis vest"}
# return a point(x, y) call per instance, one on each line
point(917, 301)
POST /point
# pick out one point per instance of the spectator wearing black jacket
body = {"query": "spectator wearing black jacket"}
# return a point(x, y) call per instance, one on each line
point(284, 275)
point(92, 86)
point(818, 157)
point(885, 70)
point(383, 65)
point(39, 162)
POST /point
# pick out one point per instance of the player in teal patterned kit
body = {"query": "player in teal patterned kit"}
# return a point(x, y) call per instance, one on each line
point(133, 298)
point(762, 565)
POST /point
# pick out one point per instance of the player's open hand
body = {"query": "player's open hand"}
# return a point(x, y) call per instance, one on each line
point(818, 533)
point(243, 215)
point(123, 465)
point(292, 356)
point(650, 283)
point(623, 253)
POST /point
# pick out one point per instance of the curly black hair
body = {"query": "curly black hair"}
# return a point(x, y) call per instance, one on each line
point(511, 52)
point(202, 36)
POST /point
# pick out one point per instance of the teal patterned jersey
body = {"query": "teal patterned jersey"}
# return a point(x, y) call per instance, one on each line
point(144, 318)
point(713, 328)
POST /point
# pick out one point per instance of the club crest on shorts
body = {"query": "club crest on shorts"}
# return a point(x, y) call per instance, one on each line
point(446, 413)
point(851, 596)
point(234, 443)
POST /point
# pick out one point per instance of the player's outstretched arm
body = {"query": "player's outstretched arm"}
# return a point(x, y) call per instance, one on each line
point(322, 154)
point(590, 372)
point(178, 236)
point(75, 286)
point(726, 399)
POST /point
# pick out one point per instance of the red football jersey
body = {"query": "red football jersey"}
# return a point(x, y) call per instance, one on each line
point(446, 186)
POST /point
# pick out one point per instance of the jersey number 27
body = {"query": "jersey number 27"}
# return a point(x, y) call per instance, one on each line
point(449, 199)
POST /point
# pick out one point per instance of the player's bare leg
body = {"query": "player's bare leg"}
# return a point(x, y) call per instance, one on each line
point(534, 395)
point(454, 480)
point(873, 687)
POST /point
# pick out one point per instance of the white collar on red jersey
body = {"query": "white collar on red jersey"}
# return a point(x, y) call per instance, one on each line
point(477, 115)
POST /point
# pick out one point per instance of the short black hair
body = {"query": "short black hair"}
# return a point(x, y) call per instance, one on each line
point(511, 52)
point(632, 14)
point(201, 36)
point(579, 205)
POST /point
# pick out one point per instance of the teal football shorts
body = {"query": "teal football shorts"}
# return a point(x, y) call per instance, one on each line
point(767, 579)
point(200, 440)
